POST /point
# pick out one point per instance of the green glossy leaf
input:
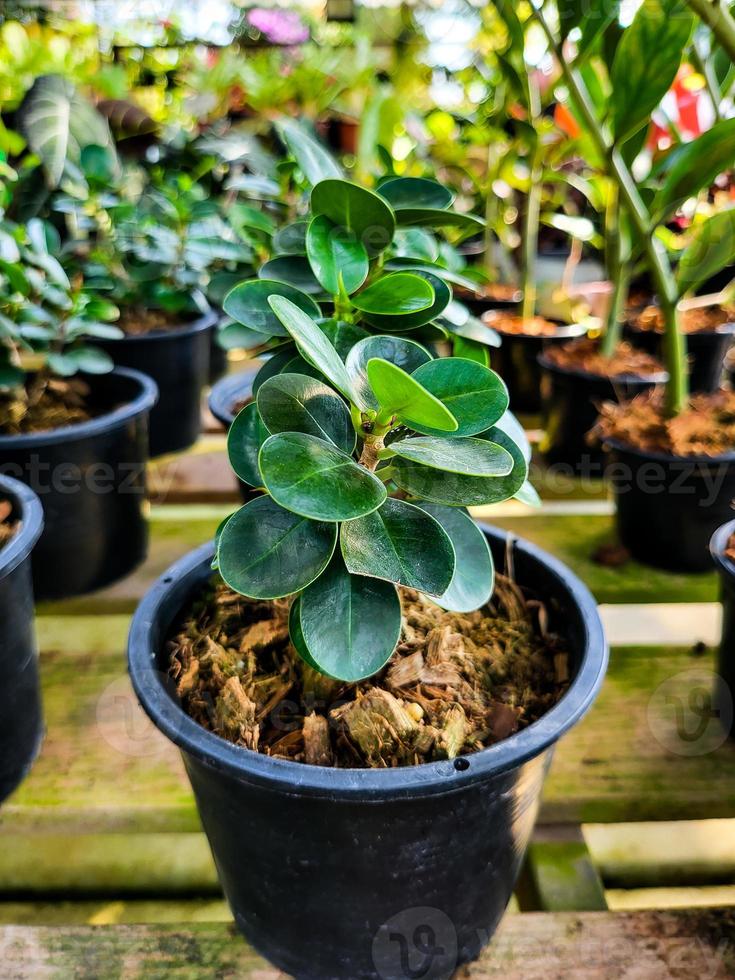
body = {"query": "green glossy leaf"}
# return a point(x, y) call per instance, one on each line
point(416, 244)
point(266, 552)
point(400, 394)
point(291, 239)
point(244, 439)
point(314, 346)
point(397, 294)
point(448, 275)
point(646, 61)
point(92, 360)
point(313, 159)
point(405, 354)
point(274, 365)
point(217, 535)
point(458, 319)
point(474, 574)
point(358, 210)
point(342, 336)
point(410, 321)
point(294, 270)
point(295, 403)
point(336, 252)
point(349, 624)
point(296, 635)
point(510, 425)
point(311, 477)
point(473, 457)
point(475, 395)
point(401, 543)
point(711, 248)
point(690, 167)
point(471, 350)
point(234, 336)
point(415, 192)
point(248, 304)
point(528, 495)
point(468, 224)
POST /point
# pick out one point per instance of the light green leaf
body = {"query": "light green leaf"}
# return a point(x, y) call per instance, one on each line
point(313, 159)
point(410, 321)
point(358, 210)
point(342, 335)
point(296, 403)
point(397, 294)
point(474, 574)
point(690, 167)
point(405, 354)
point(473, 457)
point(400, 394)
point(711, 248)
point(335, 251)
point(248, 304)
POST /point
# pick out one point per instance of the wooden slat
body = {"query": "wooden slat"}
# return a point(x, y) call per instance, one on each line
point(559, 874)
point(688, 945)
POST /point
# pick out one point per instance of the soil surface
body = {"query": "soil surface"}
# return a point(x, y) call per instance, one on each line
point(498, 292)
point(585, 355)
point(509, 323)
point(8, 526)
point(730, 549)
point(137, 322)
point(703, 320)
point(46, 404)
point(456, 683)
point(705, 428)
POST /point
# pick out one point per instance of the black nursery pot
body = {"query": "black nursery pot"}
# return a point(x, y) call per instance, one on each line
point(724, 693)
point(516, 361)
point(570, 400)
point(668, 507)
point(354, 874)
point(90, 478)
point(706, 349)
point(21, 722)
point(178, 361)
point(224, 396)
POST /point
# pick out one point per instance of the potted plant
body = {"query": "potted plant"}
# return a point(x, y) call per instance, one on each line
point(674, 476)
point(21, 724)
point(343, 777)
point(73, 428)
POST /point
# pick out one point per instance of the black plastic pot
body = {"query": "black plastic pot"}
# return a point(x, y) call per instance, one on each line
point(724, 693)
point(222, 400)
point(570, 400)
point(707, 351)
point(668, 507)
point(355, 874)
point(178, 361)
point(21, 722)
point(516, 361)
point(90, 478)
point(217, 359)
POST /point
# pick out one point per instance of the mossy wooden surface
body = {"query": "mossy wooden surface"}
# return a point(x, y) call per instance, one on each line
point(688, 945)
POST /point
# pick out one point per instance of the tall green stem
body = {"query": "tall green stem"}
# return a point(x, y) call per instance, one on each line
point(533, 213)
point(715, 14)
point(617, 273)
point(677, 390)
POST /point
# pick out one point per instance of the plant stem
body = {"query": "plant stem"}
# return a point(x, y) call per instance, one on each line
point(617, 273)
point(532, 215)
point(719, 20)
point(677, 389)
point(706, 71)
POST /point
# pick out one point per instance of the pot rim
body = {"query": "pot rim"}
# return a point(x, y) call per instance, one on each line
point(717, 548)
point(657, 378)
point(143, 402)
point(619, 446)
point(228, 388)
point(368, 785)
point(21, 545)
point(203, 322)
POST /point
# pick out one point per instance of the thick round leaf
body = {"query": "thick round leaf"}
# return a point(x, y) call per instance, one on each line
point(247, 434)
point(297, 637)
point(293, 270)
point(359, 210)
point(473, 457)
point(396, 294)
point(233, 336)
point(335, 251)
point(415, 192)
point(397, 392)
point(448, 275)
point(474, 574)
point(313, 159)
point(712, 247)
point(248, 304)
point(405, 354)
point(266, 552)
point(469, 224)
point(291, 239)
point(342, 336)
point(296, 403)
point(311, 477)
point(410, 321)
point(314, 346)
point(475, 395)
point(349, 624)
point(400, 543)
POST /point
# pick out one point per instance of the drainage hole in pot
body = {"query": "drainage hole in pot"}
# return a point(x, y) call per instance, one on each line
point(168, 580)
point(461, 765)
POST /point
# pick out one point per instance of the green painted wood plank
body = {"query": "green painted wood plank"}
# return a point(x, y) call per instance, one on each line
point(114, 911)
point(560, 876)
point(690, 945)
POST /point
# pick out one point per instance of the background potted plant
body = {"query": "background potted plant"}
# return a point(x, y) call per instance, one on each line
point(73, 428)
point(21, 724)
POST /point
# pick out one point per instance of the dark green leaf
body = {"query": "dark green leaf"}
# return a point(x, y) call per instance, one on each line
point(415, 192)
point(266, 552)
point(311, 477)
point(244, 439)
point(359, 210)
point(234, 336)
point(294, 270)
point(349, 624)
point(711, 248)
point(314, 160)
point(334, 251)
point(469, 224)
point(473, 457)
point(400, 394)
point(295, 403)
point(397, 294)
point(342, 336)
point(410, 321)
point(400, 543)
point(274, 365)
point(291, 239)
point(475, 395)
point(404, 353)
point(690, 167)
point(474, 574)
point(248, 304)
